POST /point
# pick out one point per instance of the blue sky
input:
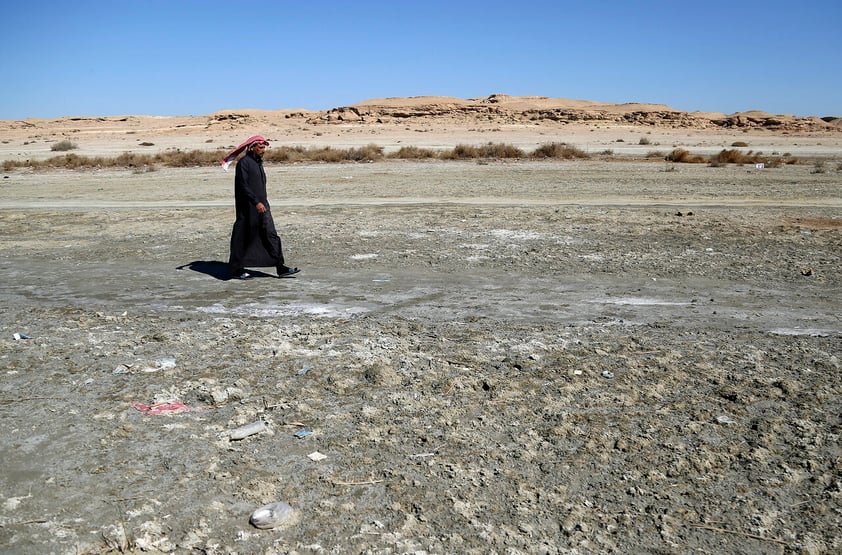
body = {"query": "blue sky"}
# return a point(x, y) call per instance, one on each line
point(194, 57)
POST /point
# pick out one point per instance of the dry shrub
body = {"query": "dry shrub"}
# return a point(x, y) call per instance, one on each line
point(739, 144)
point(63, 146)
point(129, 160)
point(683, 156)
point(500, 150)
point(559, 150)
point(734, 156)
point(461, 152)
point(188, 158)
point(367, 153)
point(370, 152)
point(490, 150)
point(69, 161)
point(286, 154)
point(413, 153)
point(325, 154)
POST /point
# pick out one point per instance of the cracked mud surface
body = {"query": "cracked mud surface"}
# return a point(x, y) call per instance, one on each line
point(494, 358)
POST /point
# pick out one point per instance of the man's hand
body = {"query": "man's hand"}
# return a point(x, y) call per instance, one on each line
point(260, 208)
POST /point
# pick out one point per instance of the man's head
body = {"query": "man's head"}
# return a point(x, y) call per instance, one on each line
point(259, 147)
point(247, 145)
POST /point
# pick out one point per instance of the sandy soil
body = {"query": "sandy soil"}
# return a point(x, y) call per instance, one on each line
point(521, 357)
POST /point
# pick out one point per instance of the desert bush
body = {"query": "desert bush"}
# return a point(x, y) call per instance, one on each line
point(325, 154)
point(559, 150)
point(69, 161)
point(461, 152)
point(413, 153)
point(644, 141)
point(734, 156)
point(490, 150)
point(367, 153)
point(739, 143)
point(286, 154)
point(683, 156)
point(500, 150)
point(63, 146)
point(187, 158)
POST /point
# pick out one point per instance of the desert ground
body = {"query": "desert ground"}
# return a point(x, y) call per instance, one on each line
point(608, 355)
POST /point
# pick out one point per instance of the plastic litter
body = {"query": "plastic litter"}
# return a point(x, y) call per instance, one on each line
point(303, 370)
point(315, 456)
point(607, 374)
point(19, 336)
point(248, 430)
point(271, 515)
point(165, 363)
point(301, 434)
point(724, 419)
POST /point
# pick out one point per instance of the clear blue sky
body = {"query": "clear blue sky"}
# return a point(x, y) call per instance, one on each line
point(194, 57)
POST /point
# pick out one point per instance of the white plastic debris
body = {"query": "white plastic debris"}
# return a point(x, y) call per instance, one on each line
point(166, 363)
point(315, 456)
point(248, 430)
point(271, 515)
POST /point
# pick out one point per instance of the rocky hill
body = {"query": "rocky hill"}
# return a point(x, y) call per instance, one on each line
point(503, 109)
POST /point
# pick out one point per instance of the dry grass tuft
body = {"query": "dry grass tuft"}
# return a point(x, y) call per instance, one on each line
point(561, 151)
point(63, 146)
point(414, 153)
point(682, 156)
point(490, 150)
point(734, 156)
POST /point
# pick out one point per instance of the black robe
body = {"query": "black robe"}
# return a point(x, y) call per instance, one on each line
point(254, 240)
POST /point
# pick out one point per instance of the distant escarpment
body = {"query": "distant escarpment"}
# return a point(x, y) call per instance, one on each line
point(513, 110)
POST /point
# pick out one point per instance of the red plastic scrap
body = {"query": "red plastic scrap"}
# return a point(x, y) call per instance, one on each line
point(170, 407)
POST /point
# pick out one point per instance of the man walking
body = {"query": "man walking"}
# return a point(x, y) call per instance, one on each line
point(254, 240)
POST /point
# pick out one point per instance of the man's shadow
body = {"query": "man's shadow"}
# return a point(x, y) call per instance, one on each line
point(217, 270)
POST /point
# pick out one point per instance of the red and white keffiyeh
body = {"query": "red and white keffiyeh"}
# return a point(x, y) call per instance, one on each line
point(239, 150)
